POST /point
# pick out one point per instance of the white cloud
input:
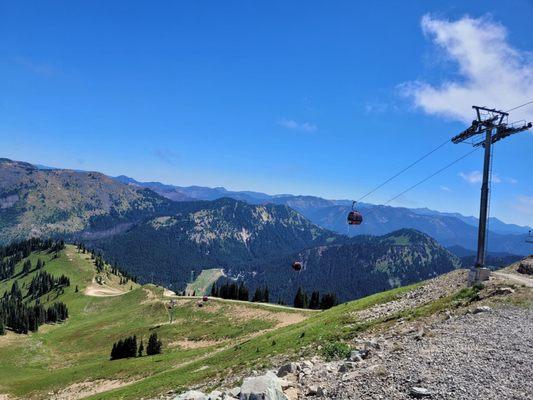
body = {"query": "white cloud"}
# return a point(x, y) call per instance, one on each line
point(476, 177)
point(471, 177)
point(445, 188)
point(525, 205)
point(299, 126)
point(493, 73)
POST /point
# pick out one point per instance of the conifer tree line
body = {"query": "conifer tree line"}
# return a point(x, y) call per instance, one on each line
point(315, 302)
point(100, 262)
point(127, 348)
point(43, 283)
point(261, 295)
point(24, 318)
point(232, 291)
point(15, 252)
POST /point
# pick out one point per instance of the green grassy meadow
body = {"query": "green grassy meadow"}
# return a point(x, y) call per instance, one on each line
point(200, 345)
point(203, 282)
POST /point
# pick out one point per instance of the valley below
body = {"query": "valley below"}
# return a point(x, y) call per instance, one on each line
point(245, 296)
point(423, 335)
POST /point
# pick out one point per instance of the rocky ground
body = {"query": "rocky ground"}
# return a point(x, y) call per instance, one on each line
point(480, 351)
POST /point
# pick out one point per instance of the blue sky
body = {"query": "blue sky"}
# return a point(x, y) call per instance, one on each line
point(295, 97)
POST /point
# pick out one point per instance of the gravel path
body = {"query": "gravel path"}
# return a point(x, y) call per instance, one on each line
point(488, 355)
point(521, 280)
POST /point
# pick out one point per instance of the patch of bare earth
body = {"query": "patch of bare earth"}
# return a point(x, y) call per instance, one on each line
point(81, 390)
point(280, 319)
point(96, 290)
point(193, 344)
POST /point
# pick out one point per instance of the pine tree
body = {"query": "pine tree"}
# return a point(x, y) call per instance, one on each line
point(26, 267)
point(2, 328)
point(328, 300)
point(299, 301)
point(315, 300)
point(141, 349)
point(257, 295)
point(266, 295)
point(214, 290)
point(154, 345)
point(114, 352)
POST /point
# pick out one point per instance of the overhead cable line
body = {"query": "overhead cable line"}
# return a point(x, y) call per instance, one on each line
point(520, 106)
point(403, 170)
point(432, 175)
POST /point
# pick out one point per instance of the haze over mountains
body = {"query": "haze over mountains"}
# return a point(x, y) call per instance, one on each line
point(449, 229)
point(151, 236)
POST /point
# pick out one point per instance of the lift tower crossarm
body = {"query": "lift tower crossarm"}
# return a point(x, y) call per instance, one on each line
point(494, 121)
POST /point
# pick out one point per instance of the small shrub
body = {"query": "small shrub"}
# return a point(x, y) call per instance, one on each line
point(336, 350)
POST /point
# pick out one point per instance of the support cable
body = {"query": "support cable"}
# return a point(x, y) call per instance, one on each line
point(432, 175)
point(403, 170)
point(520, 106)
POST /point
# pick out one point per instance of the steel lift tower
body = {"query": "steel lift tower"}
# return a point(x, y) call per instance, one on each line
point(494, 126)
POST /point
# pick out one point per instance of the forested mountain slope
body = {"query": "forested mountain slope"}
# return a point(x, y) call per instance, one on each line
point(352, 270)
point(224, 233)
point(447, 228)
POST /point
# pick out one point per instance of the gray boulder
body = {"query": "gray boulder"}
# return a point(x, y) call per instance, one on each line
point(347, 366)
point(420, 392)
point(191, 395)
point(290, 368)
point(265, 387)
point(235, 391)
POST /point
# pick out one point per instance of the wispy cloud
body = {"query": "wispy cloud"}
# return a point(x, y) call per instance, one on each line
point(377, 107)
point(471, 177)
point(298, 126)
point(38, 68)
point(167, 156)
point(445, 188)
point(492, 72)
point(476, 177)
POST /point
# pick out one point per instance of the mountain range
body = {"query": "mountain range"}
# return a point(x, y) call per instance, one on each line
point(163, 240)
point(449, 229)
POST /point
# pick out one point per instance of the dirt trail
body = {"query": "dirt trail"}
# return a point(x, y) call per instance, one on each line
point(81, 390)
point(259, 305)
point(521, 280)
point(96, 290)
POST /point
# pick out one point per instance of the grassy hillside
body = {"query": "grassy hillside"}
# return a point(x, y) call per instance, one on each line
point(60, 355)
point(203, 282)
point(201, 344)
point(36, 202)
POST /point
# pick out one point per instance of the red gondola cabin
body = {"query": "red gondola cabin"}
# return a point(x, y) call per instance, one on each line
point(355, 218)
